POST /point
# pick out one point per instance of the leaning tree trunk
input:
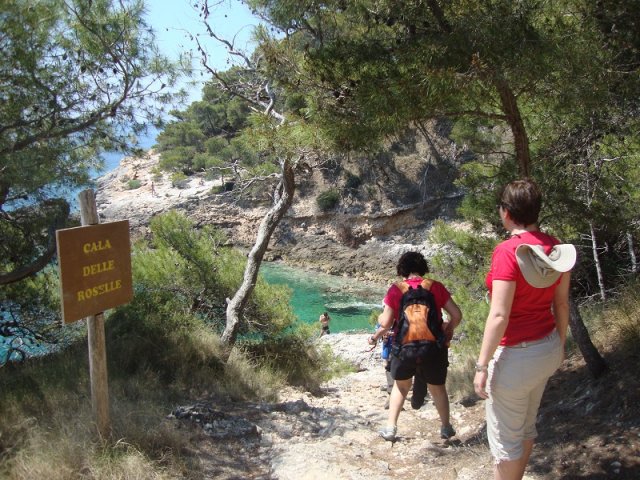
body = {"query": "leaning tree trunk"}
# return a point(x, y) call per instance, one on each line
point(596, 261)
point(595, 363)
point(237, 304)
point(59, 209)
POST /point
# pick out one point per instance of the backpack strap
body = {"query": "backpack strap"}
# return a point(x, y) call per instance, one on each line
point(403, 285)
point(426, 283)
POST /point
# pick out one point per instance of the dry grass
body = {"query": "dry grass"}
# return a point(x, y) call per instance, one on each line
point(614, 326)
point(60, 443)
point(622, 320)
point(460, 374)
point(244, 376)
point(59, 457)
point(47, 426)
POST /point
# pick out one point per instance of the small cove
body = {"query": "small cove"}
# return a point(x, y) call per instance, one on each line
point(348, 301)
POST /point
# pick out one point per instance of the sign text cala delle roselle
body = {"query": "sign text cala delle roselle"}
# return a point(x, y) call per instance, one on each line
point(95, 268)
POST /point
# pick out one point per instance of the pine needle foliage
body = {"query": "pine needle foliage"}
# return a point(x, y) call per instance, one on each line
point(461, 263)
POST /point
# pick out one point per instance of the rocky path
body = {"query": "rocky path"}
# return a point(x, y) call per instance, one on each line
point(334, 435)
point(348, 447)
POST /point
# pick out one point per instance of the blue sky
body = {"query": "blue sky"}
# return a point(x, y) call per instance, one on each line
point(173, 20)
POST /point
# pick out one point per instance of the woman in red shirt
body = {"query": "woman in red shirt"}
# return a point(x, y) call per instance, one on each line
point(431, 369)
point(525, 332)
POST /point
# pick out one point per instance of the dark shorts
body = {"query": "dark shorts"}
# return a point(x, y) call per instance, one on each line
point(432, 368)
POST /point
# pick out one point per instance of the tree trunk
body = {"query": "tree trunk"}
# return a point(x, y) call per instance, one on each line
point(34, 267)
point(596, 262)
point(510, 108)
point(632, 254)
point(237, 304)
point(595, 363)
point(61, 215)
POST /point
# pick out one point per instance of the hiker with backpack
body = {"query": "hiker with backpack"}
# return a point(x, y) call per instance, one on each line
point(413, 307)
point(526, 328)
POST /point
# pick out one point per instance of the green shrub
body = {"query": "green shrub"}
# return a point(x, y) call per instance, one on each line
point(461, 264)
point(179, 180)
point(328, 200)
point(373, 317)
point(177, 159)
point(182, 279)
point(296, 357)
point(133, 184)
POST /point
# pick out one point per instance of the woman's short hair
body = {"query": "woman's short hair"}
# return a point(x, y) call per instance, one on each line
point(523, 200)
point(412, 262)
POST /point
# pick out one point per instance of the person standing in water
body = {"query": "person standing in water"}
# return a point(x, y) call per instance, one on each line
point(324, 322)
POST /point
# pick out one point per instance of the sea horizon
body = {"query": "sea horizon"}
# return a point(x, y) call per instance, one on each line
point(112, 159)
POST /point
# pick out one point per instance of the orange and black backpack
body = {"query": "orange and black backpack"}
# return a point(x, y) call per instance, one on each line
point(419, 325)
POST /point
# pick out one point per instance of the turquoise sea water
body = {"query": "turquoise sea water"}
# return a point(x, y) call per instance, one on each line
point(349, 302)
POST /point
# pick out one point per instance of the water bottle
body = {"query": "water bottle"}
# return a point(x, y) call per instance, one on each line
point(386, 347)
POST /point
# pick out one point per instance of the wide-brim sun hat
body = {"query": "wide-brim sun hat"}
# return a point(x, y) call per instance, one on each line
point(541, 270)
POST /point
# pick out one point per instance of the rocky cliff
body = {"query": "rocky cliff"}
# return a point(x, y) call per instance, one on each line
point(387, 203)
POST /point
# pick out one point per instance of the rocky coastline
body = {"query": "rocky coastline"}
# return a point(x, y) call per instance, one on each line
point(362, 241)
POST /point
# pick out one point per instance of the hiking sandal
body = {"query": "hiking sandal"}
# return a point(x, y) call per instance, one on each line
point(447, 432)
point(388, 433)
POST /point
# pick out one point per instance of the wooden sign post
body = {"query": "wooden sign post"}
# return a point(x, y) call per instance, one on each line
point(95, 275)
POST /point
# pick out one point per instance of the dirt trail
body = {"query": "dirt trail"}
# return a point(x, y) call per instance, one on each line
point(589, 429)
point(334, 435)
point(348, 447)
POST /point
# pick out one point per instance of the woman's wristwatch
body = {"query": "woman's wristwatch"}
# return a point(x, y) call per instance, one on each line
point(481, 368)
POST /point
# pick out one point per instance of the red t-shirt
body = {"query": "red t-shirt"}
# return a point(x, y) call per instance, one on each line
point(531, 317)
point(394, 295)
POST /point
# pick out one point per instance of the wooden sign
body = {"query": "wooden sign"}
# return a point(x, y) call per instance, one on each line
point(95, 268)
